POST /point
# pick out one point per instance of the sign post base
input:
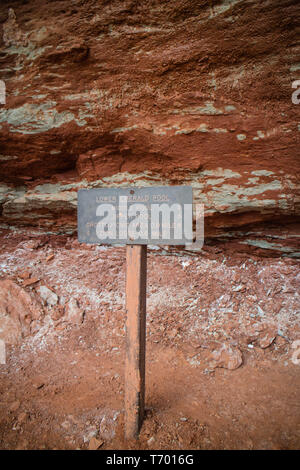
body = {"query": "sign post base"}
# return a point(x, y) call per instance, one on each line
point(136, 275)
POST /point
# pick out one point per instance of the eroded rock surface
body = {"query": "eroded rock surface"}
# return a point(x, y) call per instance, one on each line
point(149, 93)
point(18, 312)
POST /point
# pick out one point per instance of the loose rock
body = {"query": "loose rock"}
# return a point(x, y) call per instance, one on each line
point(266, 340)
point(18, 309)
point(30, 282)
point(226, 357)
point(74, 313)
point(94, 444)
point(49, 297)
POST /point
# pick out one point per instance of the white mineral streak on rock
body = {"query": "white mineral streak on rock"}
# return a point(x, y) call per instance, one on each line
point(211, 188)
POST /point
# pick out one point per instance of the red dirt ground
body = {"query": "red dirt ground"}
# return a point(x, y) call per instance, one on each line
point(62, 384)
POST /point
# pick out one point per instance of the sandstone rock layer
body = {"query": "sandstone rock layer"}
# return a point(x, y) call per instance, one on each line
point(117, 93)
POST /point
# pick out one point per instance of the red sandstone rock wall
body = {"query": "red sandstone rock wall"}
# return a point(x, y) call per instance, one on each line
point(103, 93)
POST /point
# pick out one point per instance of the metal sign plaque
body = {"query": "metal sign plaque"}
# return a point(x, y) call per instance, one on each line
point(154, 215)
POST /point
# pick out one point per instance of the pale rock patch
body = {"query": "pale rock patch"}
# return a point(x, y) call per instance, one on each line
point(48, 296)
point(227, 357)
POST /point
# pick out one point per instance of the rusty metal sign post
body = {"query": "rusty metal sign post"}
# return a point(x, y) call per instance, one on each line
point(135, 217)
